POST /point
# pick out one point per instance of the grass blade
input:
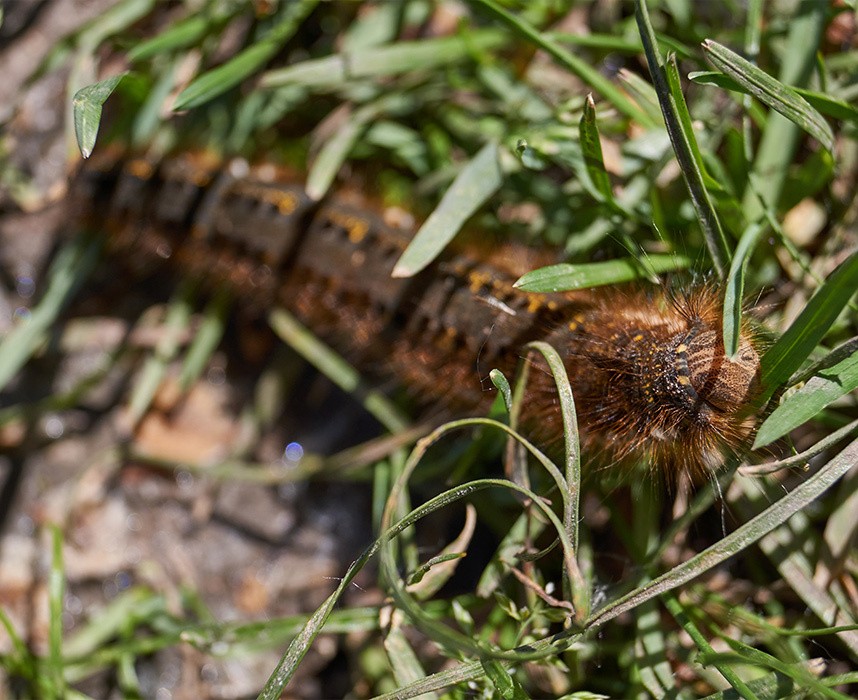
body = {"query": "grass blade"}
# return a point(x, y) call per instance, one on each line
point(799, 340)
point(337, 148)
point(682, 137)
point(56, 592)
point(824, 104)
point(381, 61)
point(186, 33)
point(477, 181)
point(827, 386)
point(334, 368)
point(578, 66)
point(566, 277)
point(735, 287)
point(86, 106)
point(69, 270)
point(781, 98)
point(591, 149)
point(746, 535)
point(217, 81)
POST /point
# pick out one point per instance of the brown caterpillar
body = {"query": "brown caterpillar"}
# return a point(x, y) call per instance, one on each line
point(648, 371)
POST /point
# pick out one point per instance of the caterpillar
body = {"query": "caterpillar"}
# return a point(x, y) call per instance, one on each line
point(648, 369)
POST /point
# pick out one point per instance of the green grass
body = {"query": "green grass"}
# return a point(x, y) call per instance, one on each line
point(666, 165)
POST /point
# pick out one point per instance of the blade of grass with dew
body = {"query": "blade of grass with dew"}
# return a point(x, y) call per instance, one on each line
point(735, 287)
point(476, 182)
point(744, 536)
point(383, 61)
point(217, 81)
point(669, 98)
point(819, 391)
point(781, 98)
point(571, 489)
point(299, 646)
point(87, 105)
point(337, 148)
point(795, 345)
point(568, 276)
point(69, 270)
point(793, 562)
point(578, 66)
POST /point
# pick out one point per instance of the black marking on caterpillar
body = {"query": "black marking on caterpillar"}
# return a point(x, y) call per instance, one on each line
point(648, 370)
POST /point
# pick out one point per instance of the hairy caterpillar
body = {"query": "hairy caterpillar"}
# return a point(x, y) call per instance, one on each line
point(648, 370)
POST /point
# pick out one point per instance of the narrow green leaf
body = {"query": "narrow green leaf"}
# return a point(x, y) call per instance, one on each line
point(68, 271)
point(675, 607)
point(86, 105)
point(477, 181)
point(402, 657)
point(374, 62)
point(337, 148)
point(828, 105)
point(205, 340)
point(682, 137)
point(185, 33)
point(799, 673)
point(643, 93)
point(825, 104)
point(176, 325)
point(735, 286)
point(217, 81)
point(56, 593)
point(744, 536)
point(769, 90)
point(566, 276)
point(502, 385)
point(799, 340)
point(823, 388)
point(578, 66)
point(335, 368)
point(591, 148)
point(505, 685)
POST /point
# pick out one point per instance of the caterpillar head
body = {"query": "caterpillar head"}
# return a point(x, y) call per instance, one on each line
point(709, 378)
